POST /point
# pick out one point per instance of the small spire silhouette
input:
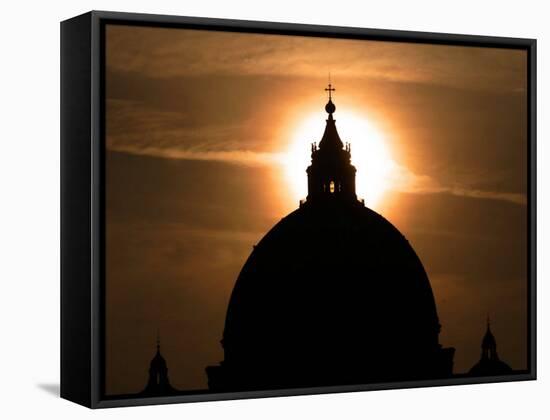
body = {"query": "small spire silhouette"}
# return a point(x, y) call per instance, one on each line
point(158, 383)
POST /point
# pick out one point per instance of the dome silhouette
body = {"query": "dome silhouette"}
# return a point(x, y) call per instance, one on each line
point(158, 382)
point(333, 294)
point(489, 364)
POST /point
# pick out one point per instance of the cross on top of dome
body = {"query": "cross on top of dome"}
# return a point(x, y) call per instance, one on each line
point(330, 107)
point(330, 89)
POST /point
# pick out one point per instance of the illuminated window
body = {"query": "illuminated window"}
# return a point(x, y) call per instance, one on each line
point(331, 187)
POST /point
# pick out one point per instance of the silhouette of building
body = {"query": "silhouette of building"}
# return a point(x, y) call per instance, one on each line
point(158, 383)
point(331, 175)
point(333, 294)
point(489, 364)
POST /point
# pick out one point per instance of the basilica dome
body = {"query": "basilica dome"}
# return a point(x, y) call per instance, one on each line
point(333, 294)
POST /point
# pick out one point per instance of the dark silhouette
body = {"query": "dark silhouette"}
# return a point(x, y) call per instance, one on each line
point(489, 364)
point(331, 176)
point(158, 383)
point(333, 294)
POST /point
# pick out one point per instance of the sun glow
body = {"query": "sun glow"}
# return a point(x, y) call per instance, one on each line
point(369, 154)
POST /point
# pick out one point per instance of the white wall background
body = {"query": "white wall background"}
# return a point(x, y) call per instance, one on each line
point(29, 209)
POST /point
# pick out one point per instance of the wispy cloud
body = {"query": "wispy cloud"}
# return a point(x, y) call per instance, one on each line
point(168, 53)
point(491, 195)
point(239, 157)
point(403, 180)
point(134, 128)
point(407, 181)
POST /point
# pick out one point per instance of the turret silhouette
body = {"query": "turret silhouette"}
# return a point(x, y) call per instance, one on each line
point(489, 364)
point(331, 175)
point(158, 383)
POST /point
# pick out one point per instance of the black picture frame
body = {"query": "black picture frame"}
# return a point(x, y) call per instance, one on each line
point(83, 196)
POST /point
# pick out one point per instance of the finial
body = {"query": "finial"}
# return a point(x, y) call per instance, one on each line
point(488, 321)
point(158, 339)
point(330, 89)
point(330, 107)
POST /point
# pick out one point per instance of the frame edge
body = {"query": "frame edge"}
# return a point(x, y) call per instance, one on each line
point(75, 130)
point(99, 17)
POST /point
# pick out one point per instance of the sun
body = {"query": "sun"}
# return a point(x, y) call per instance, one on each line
point(369, 154)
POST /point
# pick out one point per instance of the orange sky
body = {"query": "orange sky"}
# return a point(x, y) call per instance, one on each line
point(199, 125)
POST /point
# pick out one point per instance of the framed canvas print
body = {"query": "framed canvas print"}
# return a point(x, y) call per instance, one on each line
point(256, 209)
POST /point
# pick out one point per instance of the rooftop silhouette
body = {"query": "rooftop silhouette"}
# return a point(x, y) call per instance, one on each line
point(333, 294)
point(158, 382)
point(489, 364)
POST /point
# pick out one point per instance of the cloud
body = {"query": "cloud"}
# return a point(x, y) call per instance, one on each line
point(402, 179)
point(169, 53)
point(491, 195)
point(409, 182)
point(135, 128)
point(241, 157)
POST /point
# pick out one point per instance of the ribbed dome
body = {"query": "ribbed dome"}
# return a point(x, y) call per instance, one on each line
point(336, 285)
point(333, 294)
